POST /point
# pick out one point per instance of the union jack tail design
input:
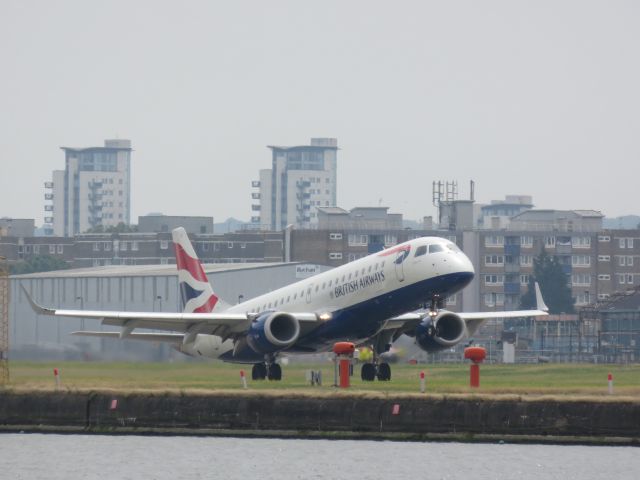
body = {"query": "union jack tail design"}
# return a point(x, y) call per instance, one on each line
point(195, 290)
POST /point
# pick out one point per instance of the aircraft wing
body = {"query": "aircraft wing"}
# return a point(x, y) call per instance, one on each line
point(149, 337)
point(225, 325)
point(473, 320)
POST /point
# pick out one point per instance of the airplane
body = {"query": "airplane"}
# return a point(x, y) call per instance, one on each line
point(371, 301)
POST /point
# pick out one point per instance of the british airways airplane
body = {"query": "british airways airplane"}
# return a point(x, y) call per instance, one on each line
point(371, 301)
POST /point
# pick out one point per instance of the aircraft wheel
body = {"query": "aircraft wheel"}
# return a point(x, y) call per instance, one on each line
point(275, 372)
point(384, 372)
point(259, 371)
point(368, 372)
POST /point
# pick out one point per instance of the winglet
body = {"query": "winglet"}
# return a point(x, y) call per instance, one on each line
point(540, 305)
point(37, 308)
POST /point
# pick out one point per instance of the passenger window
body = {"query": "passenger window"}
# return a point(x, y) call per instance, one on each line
point(356, 274)
point(330, 283)
point(288, 298)
point(421, 250)
point(324, 285)
point(376, 266)
point(362, 273)
point(369, 271)
point(435, 248)
point(343, 277)
point(295, 295)
point(349, 276)
point(382, 265)
point(317, 287)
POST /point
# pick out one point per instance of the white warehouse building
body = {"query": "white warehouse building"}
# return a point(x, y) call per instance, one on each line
point(127, 288)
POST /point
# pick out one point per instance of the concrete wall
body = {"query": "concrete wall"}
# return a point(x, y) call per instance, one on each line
point(343, 413)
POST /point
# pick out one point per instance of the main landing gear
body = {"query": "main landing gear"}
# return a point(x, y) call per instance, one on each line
point(371, 371)
point(266, 370)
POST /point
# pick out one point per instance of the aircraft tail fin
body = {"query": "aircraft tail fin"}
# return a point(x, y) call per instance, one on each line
point(196, 293)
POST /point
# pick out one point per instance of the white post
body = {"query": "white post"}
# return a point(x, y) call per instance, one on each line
point(422, 382)
point(243, 379)
point(610, 379)
point(56, 377)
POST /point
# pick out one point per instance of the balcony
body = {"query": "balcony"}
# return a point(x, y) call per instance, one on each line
point(255, 183)
point(255, 196)
point(48, 219)
point(48, 196)
point(255, 208)
point(255, 219)
point(48, 184)
point(48, 208)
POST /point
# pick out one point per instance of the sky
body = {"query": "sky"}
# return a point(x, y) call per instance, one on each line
point(537, 98)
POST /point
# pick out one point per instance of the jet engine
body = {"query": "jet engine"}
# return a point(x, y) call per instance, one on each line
point(273, 331)
point(440, 332)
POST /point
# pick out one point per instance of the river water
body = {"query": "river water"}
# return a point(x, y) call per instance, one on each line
point(69, 457)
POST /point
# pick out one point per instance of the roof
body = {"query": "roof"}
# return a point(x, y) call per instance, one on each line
point(95, 149)
point(303, 147)
point(333, 210)
point(147, 270)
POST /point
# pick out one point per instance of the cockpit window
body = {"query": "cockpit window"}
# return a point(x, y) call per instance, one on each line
point(435, 248)
point(453, 247)
point(421, 250)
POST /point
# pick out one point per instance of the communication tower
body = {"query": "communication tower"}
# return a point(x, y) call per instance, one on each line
point(4, 322)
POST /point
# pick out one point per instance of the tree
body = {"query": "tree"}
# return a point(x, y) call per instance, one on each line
point(547, 271)
point(39, 263)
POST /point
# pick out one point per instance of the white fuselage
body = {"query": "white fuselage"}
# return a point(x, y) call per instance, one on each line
point(372, 277)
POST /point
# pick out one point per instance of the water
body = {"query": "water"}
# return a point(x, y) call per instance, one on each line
point(68, 457)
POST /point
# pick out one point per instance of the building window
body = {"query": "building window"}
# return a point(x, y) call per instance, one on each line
point(524, 280)
point(622, 260)
point(134, 245)
point(630, 278)
point(27, 249)
point(335, 236)
point(123, 246)
point(526, 241)
point(335, 256)
point(604, 277)
point(494, 260)
point(229, 244)
point(164, 244)
point(493, 299)
point(164, 261)
point(583, 298)
point(356, 239)
point(96, 246)
point(580, 260)
point(550, 242)
point(629, 261)
point(580, 279)
point(107, 246)
point(526, 260)
point(604, 258)
point(629, 242)
point(603, 296)
point(622, 278)
point(604, 238)
point(243, 244)
point(622, 242)
point(52, 249)
point(581, 242)
point(494, 241)
point(452, 299)
point(390, 240)
point(205, 247)
point(494, 279)
point(60, 249)
point(36, 249)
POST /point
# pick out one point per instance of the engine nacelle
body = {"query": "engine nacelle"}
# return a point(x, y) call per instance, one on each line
point(444, 331)
point(273, 331)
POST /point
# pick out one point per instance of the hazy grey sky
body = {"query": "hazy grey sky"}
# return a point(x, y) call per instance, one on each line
point(535, 97)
